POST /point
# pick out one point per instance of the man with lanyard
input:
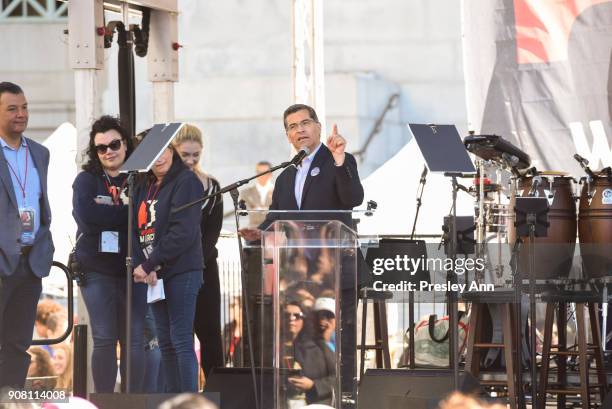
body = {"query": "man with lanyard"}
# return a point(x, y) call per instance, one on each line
point(26, 246)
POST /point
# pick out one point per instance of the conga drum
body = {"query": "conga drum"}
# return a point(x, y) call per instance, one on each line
point(555, 252)
point(595, 227)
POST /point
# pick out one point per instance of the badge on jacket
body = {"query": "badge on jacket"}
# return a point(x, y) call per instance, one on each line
point(315, 171)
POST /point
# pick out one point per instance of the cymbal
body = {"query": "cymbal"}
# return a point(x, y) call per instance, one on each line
point(553, 173)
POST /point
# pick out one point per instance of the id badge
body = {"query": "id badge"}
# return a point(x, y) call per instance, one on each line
point(26, 215)
point(147, 250)
point(109, 242)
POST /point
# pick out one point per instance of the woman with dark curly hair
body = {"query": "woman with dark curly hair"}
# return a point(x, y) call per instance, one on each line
point(100, 210)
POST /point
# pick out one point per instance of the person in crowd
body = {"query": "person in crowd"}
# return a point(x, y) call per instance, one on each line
point(258, 196)
point(326, 179)
point(41, 367)
point(325, 310)
point(100, 211)
point(26, 245)
point(311, 356)
point(62, 365)
point(40, 363)
point(188, 401)
point(57, 324)
point(232, 334)
point(44, 310)
point(170, 248)
point(458, 400)
point(189, 144)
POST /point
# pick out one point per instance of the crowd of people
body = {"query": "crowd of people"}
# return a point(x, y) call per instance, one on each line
point(51, 364)
point(172, 250)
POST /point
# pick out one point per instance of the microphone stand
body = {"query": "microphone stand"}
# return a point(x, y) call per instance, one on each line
point(451, 296)
point(129, 265)
point(420, 190)
point(518, 282)
point(233, 186)
point(245, 295)
point(233, 189)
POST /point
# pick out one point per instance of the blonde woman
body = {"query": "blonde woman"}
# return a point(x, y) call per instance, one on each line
point(62, 364)
point(189, 145)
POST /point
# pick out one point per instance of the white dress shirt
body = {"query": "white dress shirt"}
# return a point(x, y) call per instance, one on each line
point(302, 173)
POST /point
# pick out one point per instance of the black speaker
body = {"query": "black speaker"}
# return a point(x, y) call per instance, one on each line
point(137, 400)
point(131, 400)
point(414, 389)
point(235, 387)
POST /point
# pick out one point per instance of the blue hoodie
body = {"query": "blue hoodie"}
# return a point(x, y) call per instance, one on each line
point(176, 247)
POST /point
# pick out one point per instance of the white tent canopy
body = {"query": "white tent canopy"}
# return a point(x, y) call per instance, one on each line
point(394, 187)
point(62, 171)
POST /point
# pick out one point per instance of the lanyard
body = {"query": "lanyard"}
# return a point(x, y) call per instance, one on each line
point(22, 185)
point(114, 191)
point(149, 197)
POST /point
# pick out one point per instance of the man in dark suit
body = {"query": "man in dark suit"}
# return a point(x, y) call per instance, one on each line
point(326, 179)
point(26, 247)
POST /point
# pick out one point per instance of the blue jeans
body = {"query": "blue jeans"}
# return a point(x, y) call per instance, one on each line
point(153, 379)
point(105, 298)
point(174, 322)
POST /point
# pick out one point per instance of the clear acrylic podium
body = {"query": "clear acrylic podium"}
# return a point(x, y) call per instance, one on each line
point(306, 262)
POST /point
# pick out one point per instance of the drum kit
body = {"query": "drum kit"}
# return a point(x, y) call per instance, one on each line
point(579, 210)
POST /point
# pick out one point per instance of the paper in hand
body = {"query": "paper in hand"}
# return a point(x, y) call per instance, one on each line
point(155, 292)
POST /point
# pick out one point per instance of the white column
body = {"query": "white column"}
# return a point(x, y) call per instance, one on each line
point(87, 106)
point(308, 73)
point(163, 101)
point(163, 63)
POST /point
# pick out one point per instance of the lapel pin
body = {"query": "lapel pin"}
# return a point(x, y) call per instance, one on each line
point(315, 171)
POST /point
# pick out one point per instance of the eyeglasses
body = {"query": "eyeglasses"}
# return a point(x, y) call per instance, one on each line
point(294, 316)
point(114, 146)
point(294, 126)
point(328, 315)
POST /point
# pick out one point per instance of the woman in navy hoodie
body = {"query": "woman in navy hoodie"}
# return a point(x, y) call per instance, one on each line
point(100, 210)
point(170, 249)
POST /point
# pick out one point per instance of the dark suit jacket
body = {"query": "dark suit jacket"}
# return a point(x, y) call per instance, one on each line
point(333, 188)
point(41, 255)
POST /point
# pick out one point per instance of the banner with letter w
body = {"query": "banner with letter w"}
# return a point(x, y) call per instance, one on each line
point(539, 73)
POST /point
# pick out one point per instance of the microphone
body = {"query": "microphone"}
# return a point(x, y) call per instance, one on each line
point(510, 160)
point(424, 174)
point(584, 164)
point(297, 159)
point(535, 184)
point(581, 160)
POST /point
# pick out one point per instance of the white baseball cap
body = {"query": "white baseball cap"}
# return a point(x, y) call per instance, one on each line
point(325, 304)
